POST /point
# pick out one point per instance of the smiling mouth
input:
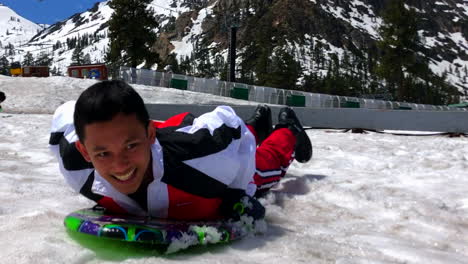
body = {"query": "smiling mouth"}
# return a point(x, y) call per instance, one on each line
point(124, 177)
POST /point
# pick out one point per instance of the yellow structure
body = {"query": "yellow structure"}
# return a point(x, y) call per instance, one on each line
point(16, 71)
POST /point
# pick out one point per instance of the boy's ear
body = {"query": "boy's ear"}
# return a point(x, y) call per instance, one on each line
point(82, 149)
point(151, 132)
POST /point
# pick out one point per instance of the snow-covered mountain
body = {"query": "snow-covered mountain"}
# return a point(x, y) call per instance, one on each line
point(60, 39)
point(14, 29)
point(90, 28)
point(196, 32)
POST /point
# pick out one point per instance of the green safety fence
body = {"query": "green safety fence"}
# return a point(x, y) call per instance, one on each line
point(179, 84)
point(404, 108)
point(350, 104)
point(296, 100)
point(240, 93)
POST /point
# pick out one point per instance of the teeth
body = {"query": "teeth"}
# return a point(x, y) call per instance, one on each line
point(124, 177)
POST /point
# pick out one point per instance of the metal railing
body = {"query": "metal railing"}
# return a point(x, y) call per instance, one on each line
point(263, 94)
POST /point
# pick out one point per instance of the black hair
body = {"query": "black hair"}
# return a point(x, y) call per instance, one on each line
point(103, 101)
point(2, 97)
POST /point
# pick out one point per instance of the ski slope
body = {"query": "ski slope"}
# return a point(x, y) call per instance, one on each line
point(364, 198)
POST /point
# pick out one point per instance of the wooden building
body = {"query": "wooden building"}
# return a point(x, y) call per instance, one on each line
point(35, 71)
point(90, 71)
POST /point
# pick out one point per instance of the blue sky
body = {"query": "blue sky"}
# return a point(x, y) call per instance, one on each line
point(48, 11)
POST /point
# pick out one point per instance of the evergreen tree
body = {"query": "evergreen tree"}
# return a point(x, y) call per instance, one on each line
point(283, 71)
point(131, 33)
point(219, 66)
point(247, 64)
point(87, 59)
point(28, 59)
point(398, 46)
point(43, 60)
point(77, 56)
point(53, 72)
point(318, 57)
point(173, 63)
point(4, 66)
point(57, 45)
point(10, 49)
point(185, 66)
point(204, 66)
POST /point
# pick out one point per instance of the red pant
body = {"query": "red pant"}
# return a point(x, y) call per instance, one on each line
point(273, 157)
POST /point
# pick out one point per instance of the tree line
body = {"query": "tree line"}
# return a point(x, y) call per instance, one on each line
point(391, 69)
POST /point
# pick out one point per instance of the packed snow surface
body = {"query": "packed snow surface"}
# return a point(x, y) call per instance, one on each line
point(363, 198)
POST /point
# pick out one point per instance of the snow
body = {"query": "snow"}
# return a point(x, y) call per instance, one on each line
point(304, 56)
point(458, 64)
point(464, 7)
point(43, 42)
point(364, 198)
point(357, 13)
point(185, 47)
point(458, 39)
point(368, 23)
point(19, 29)
point(170, 8)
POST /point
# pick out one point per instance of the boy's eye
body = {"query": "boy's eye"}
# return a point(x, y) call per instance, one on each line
point(102, 154)
point(132, 145)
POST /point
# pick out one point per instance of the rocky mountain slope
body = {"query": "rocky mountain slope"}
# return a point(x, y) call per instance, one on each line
point(194, 34)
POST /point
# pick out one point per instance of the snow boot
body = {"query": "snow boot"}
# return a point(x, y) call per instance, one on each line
point(303, 148)
point(261, 122)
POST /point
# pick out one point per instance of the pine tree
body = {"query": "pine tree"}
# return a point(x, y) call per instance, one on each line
point(318, 55)
point(247, 64)
point(77, 56)
point(53, 72)
point(28, 59)
point(43, 60)
point(219, 65)
point(185, 66)
point(284, 71)
point(87, 59)
point(10, 49)
point(4, 66)
point(398, 46)
point(131, 33)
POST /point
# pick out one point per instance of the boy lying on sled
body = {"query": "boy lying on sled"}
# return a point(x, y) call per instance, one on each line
point(188, 168)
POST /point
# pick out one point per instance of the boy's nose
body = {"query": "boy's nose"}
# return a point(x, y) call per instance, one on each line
point(122, 163)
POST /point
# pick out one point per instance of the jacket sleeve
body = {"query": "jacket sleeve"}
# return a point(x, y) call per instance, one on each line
point(75, 169)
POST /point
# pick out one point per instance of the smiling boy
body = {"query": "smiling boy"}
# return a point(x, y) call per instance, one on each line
point(188, 168)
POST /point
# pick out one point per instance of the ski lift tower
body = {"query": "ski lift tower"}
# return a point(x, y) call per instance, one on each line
point(232, 55)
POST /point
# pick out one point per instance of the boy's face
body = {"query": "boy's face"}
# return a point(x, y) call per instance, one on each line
point(120, 150)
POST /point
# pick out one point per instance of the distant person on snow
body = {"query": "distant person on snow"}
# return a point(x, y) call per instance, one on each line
point(187, 167)
point(2, 98)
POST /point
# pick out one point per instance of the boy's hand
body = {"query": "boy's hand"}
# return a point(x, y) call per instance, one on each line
point(250, 207)
point(237, 204)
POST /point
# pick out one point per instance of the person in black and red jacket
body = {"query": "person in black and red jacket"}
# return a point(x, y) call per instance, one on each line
point(187, 167)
